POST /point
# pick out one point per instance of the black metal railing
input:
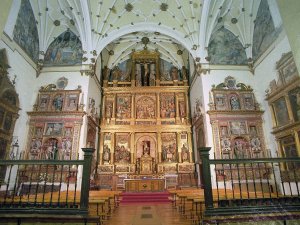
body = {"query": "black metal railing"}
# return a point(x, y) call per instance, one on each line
point(46, 186)
point(250, 185)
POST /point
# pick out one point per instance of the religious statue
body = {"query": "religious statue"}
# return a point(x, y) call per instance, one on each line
point(184, 153)
point(234, 102)
point(58, 102)
point(238, 150)
point(106, 154)
point(146, 148)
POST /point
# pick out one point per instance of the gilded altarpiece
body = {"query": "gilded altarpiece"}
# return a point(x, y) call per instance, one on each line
point(9, 108)
point(283, 97)
point(237, 125)
point(146, 130)
point(54, 126)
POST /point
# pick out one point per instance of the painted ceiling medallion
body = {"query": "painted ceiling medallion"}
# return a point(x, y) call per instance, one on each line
point(61, 83)
point(145, 40)
point(234, 20)
point(179, 52)
point(56, 22)
point(128, 7)
point(163, 7)
point(111, 52)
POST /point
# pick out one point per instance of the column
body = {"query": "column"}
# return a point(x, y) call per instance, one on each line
point(112, 152)
point(158, 109)
point(290, 12)
point(104, 110)
point(157, 83)
point(133, 110)
point(132, 147)
point(159, 146)
point(297, 142)
point(177, 109)
point(133, 73)
point(190, 146)
point(101, 148)
point(289, 107)
point(187, 108)
point(114, 109)
point(179, 147)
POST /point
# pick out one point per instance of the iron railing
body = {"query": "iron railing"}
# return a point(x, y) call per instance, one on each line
point(46, 186)
point(248, 186)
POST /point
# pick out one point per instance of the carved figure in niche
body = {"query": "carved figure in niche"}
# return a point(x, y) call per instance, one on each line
point(184, 72)
point(182, 109)
point(234, 102)
point(253, 131)
point(122, 155)
point(51, 150)
point(239, 149)
point(184, 153)
point(145, 74)
point(255, 144)
point(174, 73)
point(38, 131)
point(109, 110)
point(66, 148)
point(116, 73)
point(223, 131)
point(68, 132)
point(106, 154)
point(225, 144)
point(58, 102)
point(152, 74)
point(35, 149)
point(146, 147)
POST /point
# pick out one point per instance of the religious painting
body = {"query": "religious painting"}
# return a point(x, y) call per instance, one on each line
point(125, 70)
point(289, 72)
point(220, 101)
point(145, 108)
point(248, 102)
point(65, 50)
point(169, 147)
point(72, 102)
point(68, 131)
point(165, 70)
point(123, 107)
point(289, 148)
point(234, 102)
point(294, 96)
point(35, 148)
point(43, 102)
point(167, 106)
point(25, 31)
point(122, 148)
point(238, 127)
point(38, 131)
point(54, 129)
point(58, 102)
point(281, 112)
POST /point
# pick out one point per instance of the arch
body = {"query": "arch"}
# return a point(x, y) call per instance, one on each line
point(142, 141)
point(144, 26)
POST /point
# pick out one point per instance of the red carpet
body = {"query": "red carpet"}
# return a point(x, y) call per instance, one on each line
point(145, 197)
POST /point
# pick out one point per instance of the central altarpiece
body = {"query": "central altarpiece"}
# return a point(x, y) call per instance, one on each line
point(145, 124)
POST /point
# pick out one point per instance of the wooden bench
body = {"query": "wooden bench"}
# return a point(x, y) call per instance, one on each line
point(46, 218)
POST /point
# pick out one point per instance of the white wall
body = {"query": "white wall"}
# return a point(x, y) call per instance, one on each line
point(25, 82)
point(264, 73)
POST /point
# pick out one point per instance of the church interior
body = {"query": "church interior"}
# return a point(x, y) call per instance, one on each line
point(106, 102)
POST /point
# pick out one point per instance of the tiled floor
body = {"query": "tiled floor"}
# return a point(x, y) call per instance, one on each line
point(146, 214)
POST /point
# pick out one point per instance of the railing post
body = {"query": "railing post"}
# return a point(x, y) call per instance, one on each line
point(204, 155)
point(85, 183)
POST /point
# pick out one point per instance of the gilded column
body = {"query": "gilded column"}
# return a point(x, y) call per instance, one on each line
point(159, 146)
point(101, 147)
point(179, 147)
point(157, 73)
point(133, 109)
point(177, 108)
point(114, 109)
point(289, 107)
point(187, 108)
point(132, 147)
point(189, 135)
point(103, 110)
point(112, 153)
point(158, 109)
point(297, 142)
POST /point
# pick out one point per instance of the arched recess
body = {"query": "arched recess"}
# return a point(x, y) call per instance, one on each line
point(149, 27)
point(145, 143)
point(9, 108)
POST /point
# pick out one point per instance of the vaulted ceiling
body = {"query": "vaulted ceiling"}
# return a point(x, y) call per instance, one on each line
point(172, 26)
